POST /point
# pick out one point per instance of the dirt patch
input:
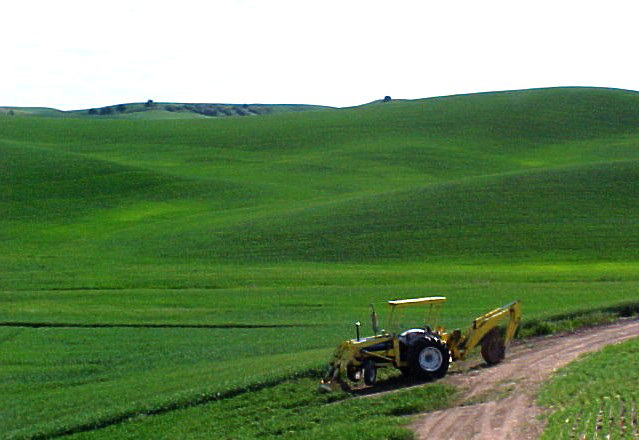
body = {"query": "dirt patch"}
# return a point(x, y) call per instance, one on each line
point(498, 402)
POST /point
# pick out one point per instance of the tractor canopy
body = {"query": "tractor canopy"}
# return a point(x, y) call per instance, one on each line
point(417, 301)
point(430, 305)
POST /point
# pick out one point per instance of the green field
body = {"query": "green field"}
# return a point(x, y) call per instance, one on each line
point(151, 265)
point(596, 397)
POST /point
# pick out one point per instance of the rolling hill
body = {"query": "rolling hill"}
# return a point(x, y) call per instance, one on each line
point(513, 175)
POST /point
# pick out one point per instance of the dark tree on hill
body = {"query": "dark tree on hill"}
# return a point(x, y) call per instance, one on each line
point(149, 103)
point(207, 110)
point(121, 108)
point(387, 98)
point(105, 111)
point(93, 111)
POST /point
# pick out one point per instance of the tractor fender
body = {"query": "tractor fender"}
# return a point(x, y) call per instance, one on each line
point(409, 336)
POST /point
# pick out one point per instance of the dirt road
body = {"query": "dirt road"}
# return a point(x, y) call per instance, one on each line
point(498, 402)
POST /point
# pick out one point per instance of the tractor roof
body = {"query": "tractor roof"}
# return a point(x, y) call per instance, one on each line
point(416, 301)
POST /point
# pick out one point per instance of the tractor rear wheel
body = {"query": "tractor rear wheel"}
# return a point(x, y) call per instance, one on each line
point(493, 349)
point(428, 358)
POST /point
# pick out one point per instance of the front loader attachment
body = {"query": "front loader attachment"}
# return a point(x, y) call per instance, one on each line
point(342, 358)
point(331, 382)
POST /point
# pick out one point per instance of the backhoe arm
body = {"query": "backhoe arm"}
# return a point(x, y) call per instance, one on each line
point(484, 324)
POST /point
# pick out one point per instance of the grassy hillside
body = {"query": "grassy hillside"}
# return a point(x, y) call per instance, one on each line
point(514, 175)
point(145, 262)
point(540, 215)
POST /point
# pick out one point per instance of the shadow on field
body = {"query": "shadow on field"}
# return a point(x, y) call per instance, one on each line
point(394, 381)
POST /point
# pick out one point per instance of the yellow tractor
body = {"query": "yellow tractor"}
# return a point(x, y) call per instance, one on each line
point(424, 353)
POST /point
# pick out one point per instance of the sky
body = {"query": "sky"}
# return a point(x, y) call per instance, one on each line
point(76, 54)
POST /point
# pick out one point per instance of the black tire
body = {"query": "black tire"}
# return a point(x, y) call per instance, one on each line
point(370, 372)
point(493, 349)
point(354, 373)
point(428, 358)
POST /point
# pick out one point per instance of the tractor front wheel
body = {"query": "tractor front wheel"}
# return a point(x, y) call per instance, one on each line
point(354, 373)
point(370, 372)
point(428, 358)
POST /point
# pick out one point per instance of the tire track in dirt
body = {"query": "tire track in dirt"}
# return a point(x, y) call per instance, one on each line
point(498, 402)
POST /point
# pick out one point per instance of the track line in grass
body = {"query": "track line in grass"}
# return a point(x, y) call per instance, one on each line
point(97, 289)
point(107, 325)
point(172, 406)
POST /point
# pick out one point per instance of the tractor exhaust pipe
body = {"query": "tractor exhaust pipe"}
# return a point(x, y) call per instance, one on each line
point(357, 324)
point(374, 319)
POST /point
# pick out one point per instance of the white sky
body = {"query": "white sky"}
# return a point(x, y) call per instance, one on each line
point(72, 54)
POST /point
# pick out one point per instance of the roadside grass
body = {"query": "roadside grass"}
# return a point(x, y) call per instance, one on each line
point(574, 320)
point(595, 397)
